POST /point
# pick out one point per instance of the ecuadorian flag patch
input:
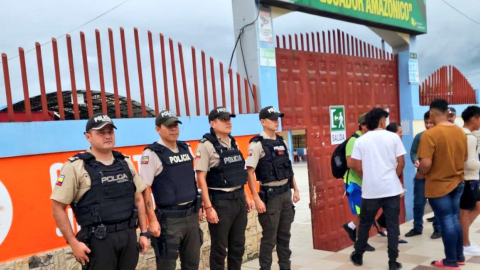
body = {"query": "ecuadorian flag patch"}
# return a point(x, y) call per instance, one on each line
point(145, 159)
point(60, 180)
point(198, 155)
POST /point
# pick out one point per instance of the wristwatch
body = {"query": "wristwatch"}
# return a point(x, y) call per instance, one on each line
point(146, 234)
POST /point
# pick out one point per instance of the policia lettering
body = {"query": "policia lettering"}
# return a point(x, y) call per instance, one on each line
point(176, 183)
point(175, 193)
point(230, 172)
point(268, 159)
point(221, 175)
point(111, 198)
point(103, 189)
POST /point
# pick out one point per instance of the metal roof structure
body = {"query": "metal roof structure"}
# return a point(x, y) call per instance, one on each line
point(52, 105)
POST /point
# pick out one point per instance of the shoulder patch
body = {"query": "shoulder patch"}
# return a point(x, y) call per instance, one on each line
point(250, 152)
point(198, 154)
point(145, 159)
point(73, 159)
point(60, 180)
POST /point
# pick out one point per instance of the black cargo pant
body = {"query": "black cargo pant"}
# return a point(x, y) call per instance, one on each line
point(179, 236)
point(228, 233)
point(276, 223)
point(368, 211)
point(118, 251)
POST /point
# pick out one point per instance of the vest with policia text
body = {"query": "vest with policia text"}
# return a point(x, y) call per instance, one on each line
point(111, 197)
point(276, 164)
point(176, 183)
point(230, 172)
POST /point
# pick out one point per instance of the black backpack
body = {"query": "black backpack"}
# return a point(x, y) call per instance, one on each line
point(339, 160)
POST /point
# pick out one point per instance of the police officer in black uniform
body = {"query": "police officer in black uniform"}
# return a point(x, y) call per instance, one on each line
point(167, 167)
point(221, 176)
point(269, 161)
point(104, 191)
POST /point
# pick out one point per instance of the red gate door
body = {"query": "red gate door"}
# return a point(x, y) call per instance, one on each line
point(310, 82)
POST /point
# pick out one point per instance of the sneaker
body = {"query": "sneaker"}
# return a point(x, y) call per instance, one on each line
point(369, 248)
point(436, 235)
point(394, 265)
point(471, 250)
point(412, 232)
point(431, 219)
point(351, 233)
point(356, 259)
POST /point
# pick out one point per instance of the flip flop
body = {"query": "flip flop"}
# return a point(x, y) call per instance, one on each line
point(440, 264)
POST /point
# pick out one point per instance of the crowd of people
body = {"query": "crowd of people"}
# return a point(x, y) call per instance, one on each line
point(447, 175)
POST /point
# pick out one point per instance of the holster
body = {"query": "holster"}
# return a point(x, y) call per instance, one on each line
point(198, 203)
point(263, 196)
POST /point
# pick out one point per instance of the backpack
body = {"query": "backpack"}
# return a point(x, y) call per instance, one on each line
point(339, 160)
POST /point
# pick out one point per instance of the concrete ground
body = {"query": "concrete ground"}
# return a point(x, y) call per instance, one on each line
point(416, 255)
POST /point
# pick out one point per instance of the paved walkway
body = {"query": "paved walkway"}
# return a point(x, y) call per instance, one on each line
point(416, 255)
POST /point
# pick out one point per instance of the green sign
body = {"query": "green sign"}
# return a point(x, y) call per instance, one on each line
point(337, 124)
point(408, 16)
point(267, 58)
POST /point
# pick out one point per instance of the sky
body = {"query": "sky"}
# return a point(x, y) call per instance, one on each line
point(452, 39)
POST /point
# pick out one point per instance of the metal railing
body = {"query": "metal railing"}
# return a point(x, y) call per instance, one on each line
point(447, 83)
point(236, 93)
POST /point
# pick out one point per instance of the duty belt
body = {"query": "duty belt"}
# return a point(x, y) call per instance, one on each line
point(176, 211)
point(274, 191)
point(100, 231)
point(218, 195)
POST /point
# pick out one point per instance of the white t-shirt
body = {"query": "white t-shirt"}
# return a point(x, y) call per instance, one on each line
point(378, 150)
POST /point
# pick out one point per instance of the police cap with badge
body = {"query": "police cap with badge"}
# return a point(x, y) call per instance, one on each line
point(98, 121)
point(166, 118)
point(270, 113)
point(220, 113)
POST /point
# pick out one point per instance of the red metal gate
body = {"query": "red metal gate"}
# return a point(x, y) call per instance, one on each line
point(448, 83)
point(336, 69)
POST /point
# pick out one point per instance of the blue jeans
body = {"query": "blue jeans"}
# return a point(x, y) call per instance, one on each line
point(419, 202)
point(447, 209)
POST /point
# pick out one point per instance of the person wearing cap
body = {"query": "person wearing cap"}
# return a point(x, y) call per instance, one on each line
point(452, 116)
point(353, 183)
point(221, 176)
point(167, 167)
point(269, 161)
point(105, 192)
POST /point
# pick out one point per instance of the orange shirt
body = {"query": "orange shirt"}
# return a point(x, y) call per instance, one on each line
point(446, 145)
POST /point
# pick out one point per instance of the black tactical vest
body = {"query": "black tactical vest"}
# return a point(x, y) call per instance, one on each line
point(111, 197)
point(176, 183)
point(230, 172)
point(275, 165)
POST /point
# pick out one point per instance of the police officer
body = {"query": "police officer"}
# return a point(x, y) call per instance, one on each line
point(269, 161)
point(167, 167)
point(221, 176)
point(104, 191)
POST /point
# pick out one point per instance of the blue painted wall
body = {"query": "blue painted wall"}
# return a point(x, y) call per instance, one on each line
point(408, 101)
point(20, 139)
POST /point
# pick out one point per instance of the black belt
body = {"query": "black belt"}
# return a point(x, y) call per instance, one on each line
point(273, 191)
point(176, 207)
point(127, 224)
point(218, 195)
point(176, 211)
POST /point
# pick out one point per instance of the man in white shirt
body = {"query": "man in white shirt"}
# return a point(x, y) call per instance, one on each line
point(379, 157)
point(470, 200)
